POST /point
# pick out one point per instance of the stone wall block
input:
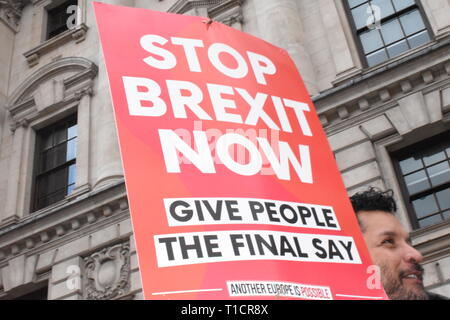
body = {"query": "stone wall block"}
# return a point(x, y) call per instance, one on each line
point(125, 228)
point(64, 270)
point(361, 175)
point(355, 155)
point(346, 138)
point(433, 105)
point(396, 117)
point(414, 110)
point(63, 289)
point(72, 248)
point(135, 280)
point(104, 236)
point(378, 127)
point(45, 260)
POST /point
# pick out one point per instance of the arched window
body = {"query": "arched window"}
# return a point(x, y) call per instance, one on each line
point(48, 113)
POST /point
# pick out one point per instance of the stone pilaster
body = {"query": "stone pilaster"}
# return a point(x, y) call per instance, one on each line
point(339, 46)
point(279, 24)
point(108, 161)
point(65, 280)
point(83, 140)
point(11, 213)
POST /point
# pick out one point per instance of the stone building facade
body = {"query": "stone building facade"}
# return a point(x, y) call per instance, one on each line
point(382, 118)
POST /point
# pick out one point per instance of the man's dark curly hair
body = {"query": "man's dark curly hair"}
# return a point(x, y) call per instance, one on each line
point(374, 200)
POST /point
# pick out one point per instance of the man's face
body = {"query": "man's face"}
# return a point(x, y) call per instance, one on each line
point(389, 245)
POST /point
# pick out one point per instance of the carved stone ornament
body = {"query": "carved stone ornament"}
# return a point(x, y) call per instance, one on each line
point(11, 11)
point(39, 94)
point(225, 11)
point(108, 273)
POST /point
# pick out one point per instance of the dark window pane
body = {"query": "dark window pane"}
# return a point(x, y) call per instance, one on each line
point(430, 221)
point(425, 206)
point(386, 8)
point(57, 18)
point(42, 186)
point(47, 160)
point(60, 135)
point(433, 158)
point(419, 39)
point(56, 196)
point(417, 182)
point(39, 294)
point(448, 152)
point(397, 48)
point(439, 173)
point(42, 202)
point(371, 40)
point(59, 178)
point(410, 165)
point(52, 183)
point(391, 31)
point(402, 4)
point(443, 198)
point(412, 22)
point(354, 3)
point(47, 140)
point(61, 153)
point(361, 15)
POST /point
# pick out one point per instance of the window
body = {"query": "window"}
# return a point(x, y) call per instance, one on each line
point(58, 17)
point(39, 294)
point(424, 172)
point(56, 162)
point(401, 27)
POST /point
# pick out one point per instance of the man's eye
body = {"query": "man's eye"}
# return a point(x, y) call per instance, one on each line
point(388, 241)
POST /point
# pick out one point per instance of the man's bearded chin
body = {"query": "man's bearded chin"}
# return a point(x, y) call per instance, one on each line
point(396, 290)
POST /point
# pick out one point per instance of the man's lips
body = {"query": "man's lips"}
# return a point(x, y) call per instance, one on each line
point(415, 276)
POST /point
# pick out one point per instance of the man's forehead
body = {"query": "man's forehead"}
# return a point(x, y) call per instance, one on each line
point(382, 223)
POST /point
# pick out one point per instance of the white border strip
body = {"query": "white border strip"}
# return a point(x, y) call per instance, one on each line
point(352, 296)
point(185, 291)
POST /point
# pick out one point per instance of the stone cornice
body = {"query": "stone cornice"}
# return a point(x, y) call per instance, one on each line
point(224, 5)
point(431, 238)
point(46, 228)
point(76, 34)
point(367, 74)
point(225, 11)
point(183, 6)
point(379, 90)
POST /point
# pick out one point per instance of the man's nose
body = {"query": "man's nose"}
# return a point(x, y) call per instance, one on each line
point(412, 254)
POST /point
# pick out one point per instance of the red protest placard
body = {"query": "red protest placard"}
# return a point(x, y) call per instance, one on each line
point(233, 189)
